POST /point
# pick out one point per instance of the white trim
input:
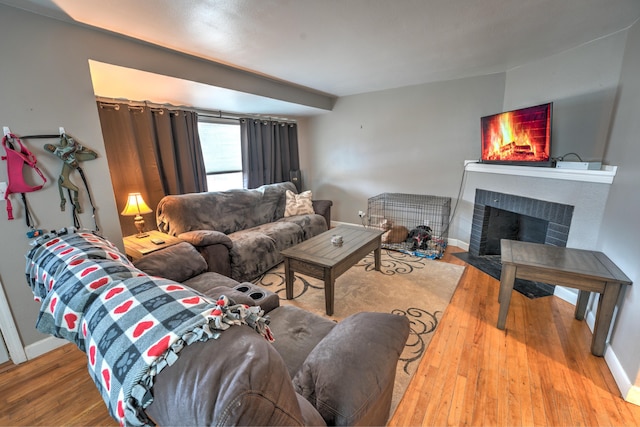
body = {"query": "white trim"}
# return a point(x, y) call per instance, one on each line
point(567, 294)
point(43, 346)
point(9, 331)
point(458, 243)
point(604, 176)
point(628, 391)
point(633, 395)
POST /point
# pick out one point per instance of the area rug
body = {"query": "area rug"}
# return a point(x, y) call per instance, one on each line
point(419, 288)
point(491, 265)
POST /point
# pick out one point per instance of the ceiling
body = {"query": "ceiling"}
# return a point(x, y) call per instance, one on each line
point(344, 47)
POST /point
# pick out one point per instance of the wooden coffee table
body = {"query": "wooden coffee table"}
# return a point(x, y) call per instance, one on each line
point(588, 271)
point(321, 259)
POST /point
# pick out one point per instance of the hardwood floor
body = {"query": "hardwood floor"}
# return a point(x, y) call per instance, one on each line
point(539, 371)
point(51, 390)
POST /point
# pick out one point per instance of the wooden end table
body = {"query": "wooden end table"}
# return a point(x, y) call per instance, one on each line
point(321, 259)
point(136, 247)
point(588, 271)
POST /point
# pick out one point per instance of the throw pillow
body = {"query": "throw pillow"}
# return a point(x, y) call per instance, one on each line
point(298, 204)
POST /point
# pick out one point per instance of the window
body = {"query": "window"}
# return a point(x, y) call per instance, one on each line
point(221, 149)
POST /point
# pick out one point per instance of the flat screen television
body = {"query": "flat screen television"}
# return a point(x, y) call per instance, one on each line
point(518, 137)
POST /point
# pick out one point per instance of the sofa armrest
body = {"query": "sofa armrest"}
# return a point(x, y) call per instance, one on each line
point(178, 262)
point(214, 247)
point(323, 207)
point(359, 389)
point(200, 238)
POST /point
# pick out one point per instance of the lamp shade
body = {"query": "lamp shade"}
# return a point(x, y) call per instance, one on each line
point(135, 205)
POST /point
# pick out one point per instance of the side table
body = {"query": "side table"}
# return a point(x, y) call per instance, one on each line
point(136, 247)
point(585, 270)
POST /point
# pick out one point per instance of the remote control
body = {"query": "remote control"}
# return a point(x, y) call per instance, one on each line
point(157, 241)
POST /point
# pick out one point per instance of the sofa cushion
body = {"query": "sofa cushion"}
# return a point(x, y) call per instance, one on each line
point(311, 225)
point(177, 262)
point(298, 204)
point(252, 254)
point(367, 346)
point(284, 234)
point(237, 379)
point(297, 332)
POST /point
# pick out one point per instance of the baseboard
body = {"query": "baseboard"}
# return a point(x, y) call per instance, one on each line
point(628, 391)
point(458, 243)
point(569, 295)
point(335, 223)
point(633, 395)
point(43, 346)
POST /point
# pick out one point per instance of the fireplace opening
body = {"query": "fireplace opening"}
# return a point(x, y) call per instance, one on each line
point(502, 224)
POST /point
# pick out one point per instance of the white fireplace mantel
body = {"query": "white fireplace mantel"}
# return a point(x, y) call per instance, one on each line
point(604, 176)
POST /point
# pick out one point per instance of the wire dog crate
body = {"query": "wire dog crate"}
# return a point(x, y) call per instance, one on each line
point(414, 224)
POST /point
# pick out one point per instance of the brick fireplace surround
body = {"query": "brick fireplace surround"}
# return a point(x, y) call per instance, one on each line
point(557, 215)
point(587, 191)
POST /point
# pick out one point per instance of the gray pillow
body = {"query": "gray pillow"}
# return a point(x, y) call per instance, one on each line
point(348, 377)
point(178, 262)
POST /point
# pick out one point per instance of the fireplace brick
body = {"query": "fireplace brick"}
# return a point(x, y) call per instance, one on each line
point(558, 216)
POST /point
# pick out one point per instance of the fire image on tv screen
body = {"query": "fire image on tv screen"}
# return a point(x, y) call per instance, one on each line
point(521, 137)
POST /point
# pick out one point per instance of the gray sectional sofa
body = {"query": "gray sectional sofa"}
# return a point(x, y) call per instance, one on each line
point(316, 372)
point(240, 232)
point(171, 354)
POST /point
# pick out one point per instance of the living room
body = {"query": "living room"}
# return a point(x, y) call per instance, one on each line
point(411, 139)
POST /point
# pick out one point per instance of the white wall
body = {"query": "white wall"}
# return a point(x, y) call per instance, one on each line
point(620, 231)
point(582, 84)
point(408, 140)
point(45, 84)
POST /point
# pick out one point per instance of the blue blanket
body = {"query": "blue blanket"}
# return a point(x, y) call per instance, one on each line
point(130, 325)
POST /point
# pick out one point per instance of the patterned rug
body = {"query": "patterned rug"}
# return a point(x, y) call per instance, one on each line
point(418, 288)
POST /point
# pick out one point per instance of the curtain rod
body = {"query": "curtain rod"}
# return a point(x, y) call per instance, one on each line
point(214, 114)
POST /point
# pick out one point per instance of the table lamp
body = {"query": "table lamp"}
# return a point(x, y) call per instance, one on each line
point(136, 206)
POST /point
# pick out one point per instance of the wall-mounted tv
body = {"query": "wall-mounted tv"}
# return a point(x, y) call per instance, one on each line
point(518, 137)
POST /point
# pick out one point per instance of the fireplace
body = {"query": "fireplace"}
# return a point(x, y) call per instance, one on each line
point(505, 216)
point(499, 216)
point(572, 202)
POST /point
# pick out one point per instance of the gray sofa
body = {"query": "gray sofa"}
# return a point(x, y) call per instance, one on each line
point(240, 232)
point(317, 372)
